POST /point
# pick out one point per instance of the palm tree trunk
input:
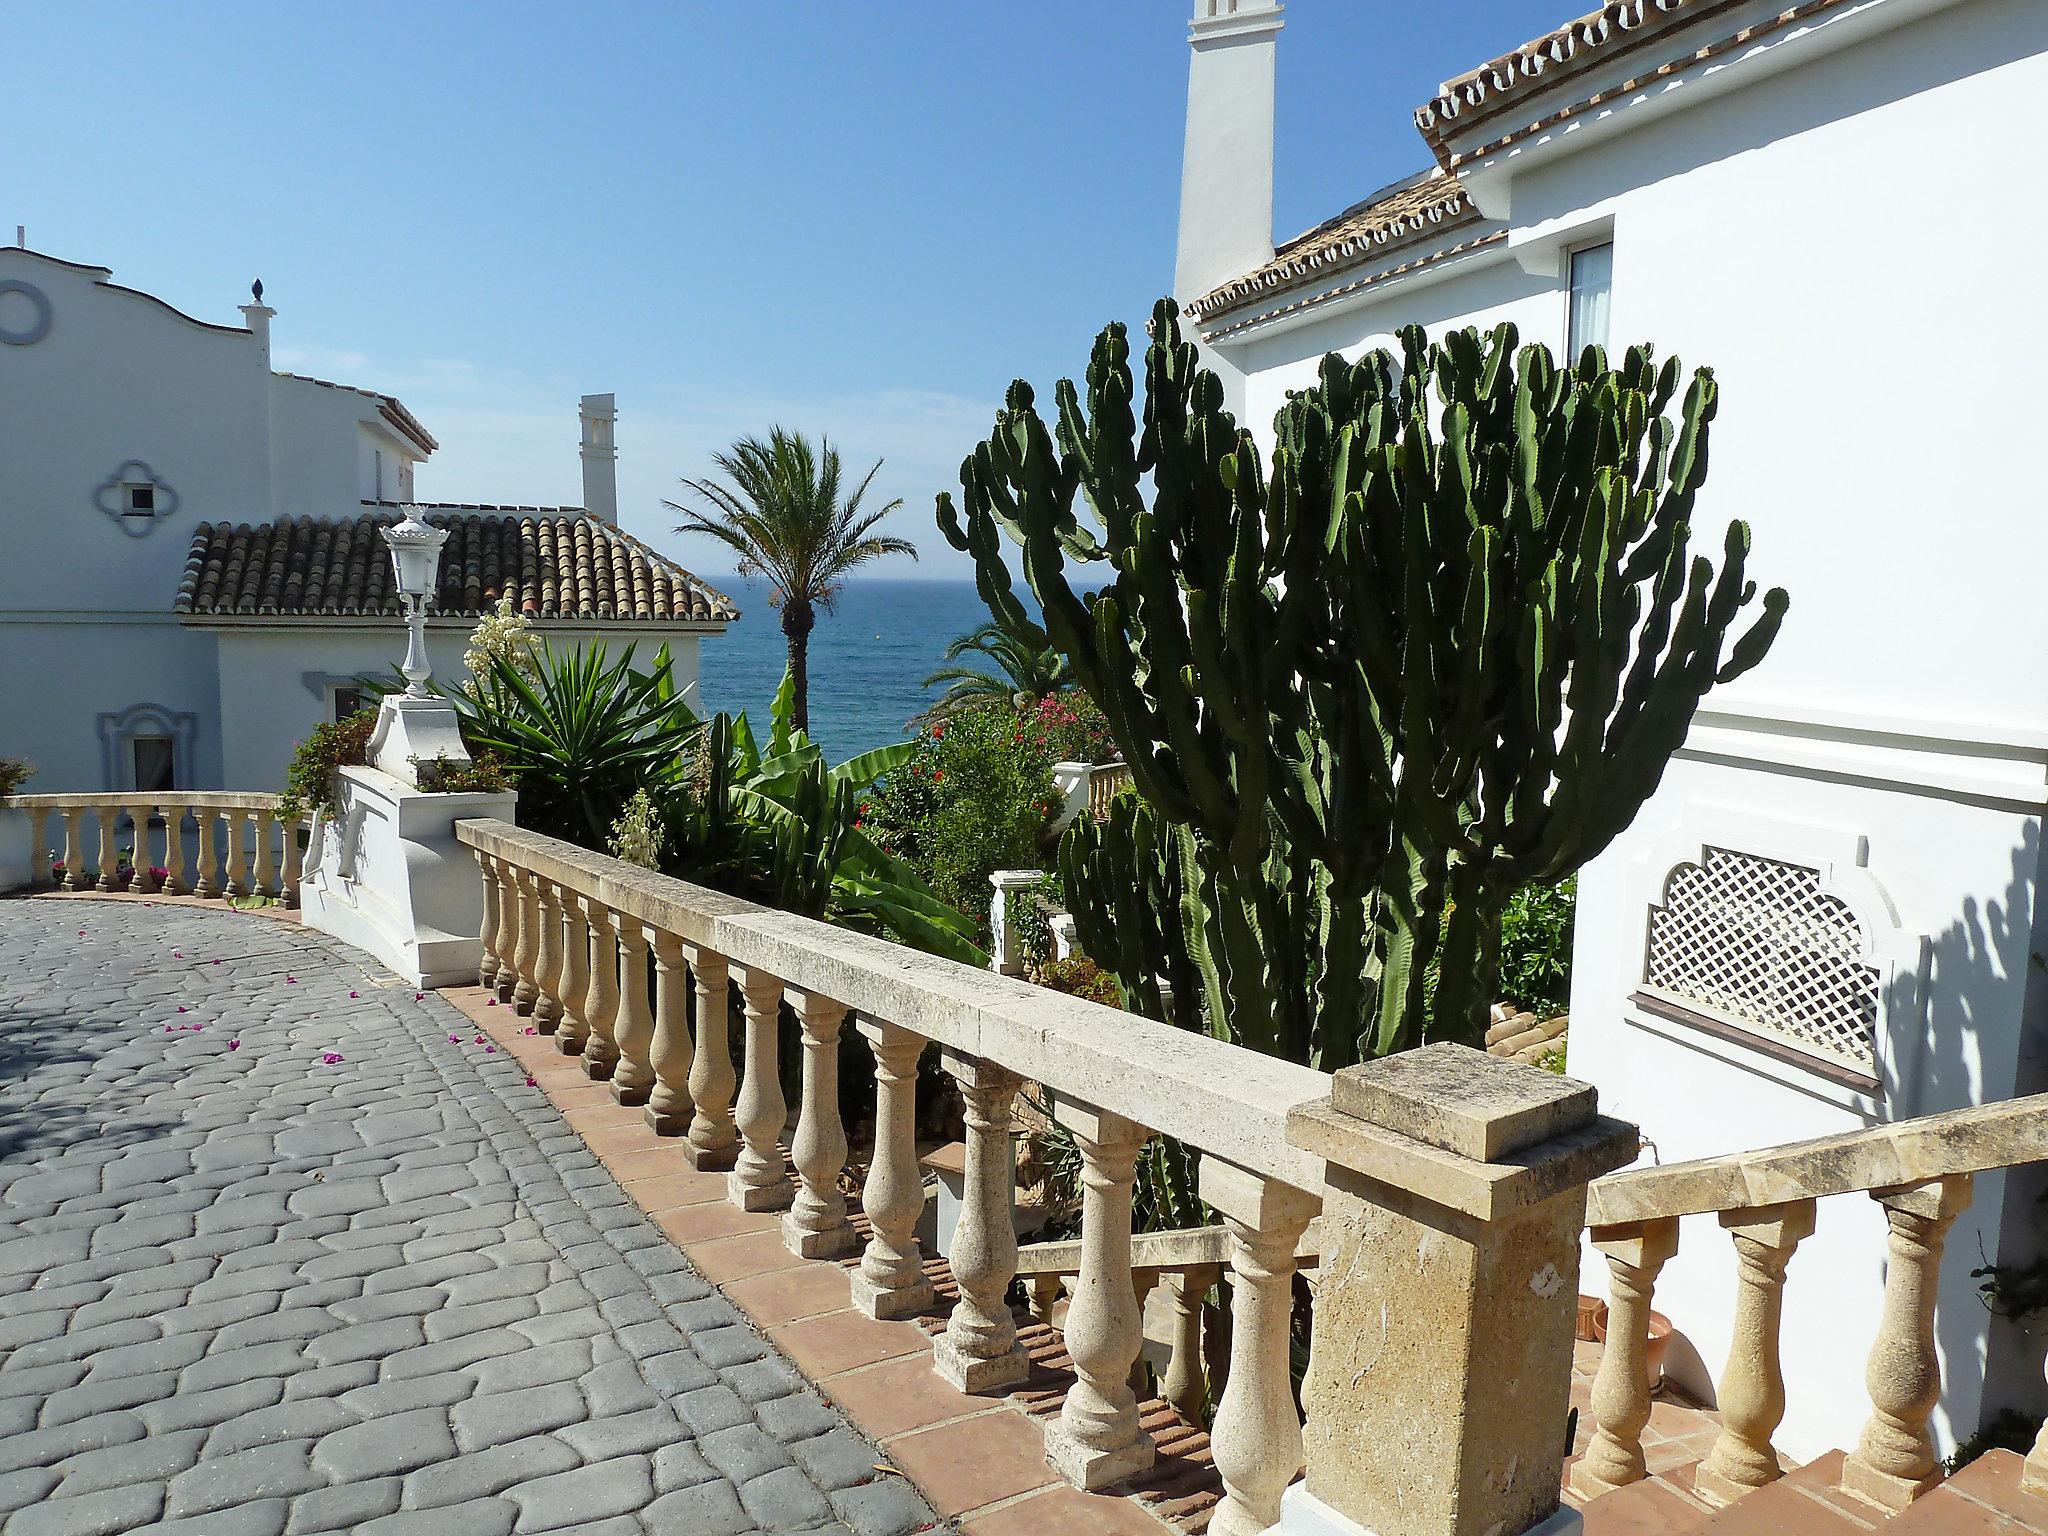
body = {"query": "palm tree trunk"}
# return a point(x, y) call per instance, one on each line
point(798, 620)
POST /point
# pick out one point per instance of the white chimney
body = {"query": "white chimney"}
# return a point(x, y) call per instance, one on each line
point(1226, 179)
point(256, 316)
point(600, 458)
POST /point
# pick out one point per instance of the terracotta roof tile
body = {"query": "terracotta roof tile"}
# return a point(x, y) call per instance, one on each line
point(1409, 210)
point(554, 563)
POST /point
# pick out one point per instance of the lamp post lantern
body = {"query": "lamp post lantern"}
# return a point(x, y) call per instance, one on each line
point(415, 547)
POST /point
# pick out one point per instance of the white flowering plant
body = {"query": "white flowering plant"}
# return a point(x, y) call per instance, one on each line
point(503, 634)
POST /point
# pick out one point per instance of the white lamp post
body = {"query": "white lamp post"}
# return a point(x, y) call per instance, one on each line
point(415, 727)
point(416, 557)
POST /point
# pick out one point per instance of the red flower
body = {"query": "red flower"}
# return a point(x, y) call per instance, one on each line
point(939, 777)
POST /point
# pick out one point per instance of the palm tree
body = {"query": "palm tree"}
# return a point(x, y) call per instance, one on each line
point(784, 516)
point(1024, 674)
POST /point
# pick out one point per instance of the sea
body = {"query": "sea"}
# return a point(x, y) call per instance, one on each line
point(869, 657)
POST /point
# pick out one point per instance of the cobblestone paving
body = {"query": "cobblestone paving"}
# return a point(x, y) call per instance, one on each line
point(248, 1289)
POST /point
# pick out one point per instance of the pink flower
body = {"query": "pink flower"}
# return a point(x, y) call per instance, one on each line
point(531, 1030)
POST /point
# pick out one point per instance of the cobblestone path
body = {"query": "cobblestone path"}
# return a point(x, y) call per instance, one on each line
point(277, 1255)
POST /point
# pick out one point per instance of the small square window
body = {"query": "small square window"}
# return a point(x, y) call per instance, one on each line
point(347, 701)
point(156, 763)
point(141, 501)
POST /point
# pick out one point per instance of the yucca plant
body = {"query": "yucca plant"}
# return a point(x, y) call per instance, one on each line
point(580, 733)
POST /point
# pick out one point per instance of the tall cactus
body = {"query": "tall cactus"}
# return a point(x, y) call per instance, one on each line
point(1443, 648)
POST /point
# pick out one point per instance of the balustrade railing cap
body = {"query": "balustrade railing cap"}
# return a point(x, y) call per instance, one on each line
point(1464, 1101)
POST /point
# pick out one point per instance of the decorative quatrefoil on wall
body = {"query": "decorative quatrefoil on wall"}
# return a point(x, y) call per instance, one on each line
point(136, 497)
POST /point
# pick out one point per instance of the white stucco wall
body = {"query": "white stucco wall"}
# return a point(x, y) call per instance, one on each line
point(1865, 281)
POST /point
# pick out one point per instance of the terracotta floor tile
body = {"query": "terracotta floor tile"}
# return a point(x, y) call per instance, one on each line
point(1642, 1509)
point(619, 1138)
point(734, 1258)
point(787, 1294)
point(602, 1113)
point(692, 1224)
point(900, 1396)
point(659, 1161)
point(975, 1462)
point(1993, 1479)
point(677, 1185)
point(1067, 1511)
point(839, 1341)
point(577, 1093)
point(1945, 1513)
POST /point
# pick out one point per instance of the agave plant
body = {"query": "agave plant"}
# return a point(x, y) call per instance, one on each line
point(580, 733)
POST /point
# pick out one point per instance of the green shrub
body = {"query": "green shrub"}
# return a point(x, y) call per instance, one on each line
point(309, 780)
point(1083, 978)
point(1536, 947)
point(14, 771)
point(483, 774)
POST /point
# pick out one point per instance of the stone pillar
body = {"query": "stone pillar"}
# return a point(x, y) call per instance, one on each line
point(1440, 1372)
point(1256, 1436)
point(110, 858)
point(668, 1101)
point(1097, 1439)
point(238, 859)
point(487, 965)
point(713, 1139)
point(633, 1077)
point(174, 854)
point(979, 1351)
point(1621, 1391)
point(891, 1280)
point(757, 1181)
point(1752, 1386)
point(547, 970)
point(601, 1001)
point(203, 885)
point(815, 1225)
point(138, 820)
point(266, 865)
point(1006, 948)
point(1894, 1461)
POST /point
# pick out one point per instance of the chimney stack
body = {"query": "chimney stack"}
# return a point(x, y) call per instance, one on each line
point(1226, 181)
point(256, 315)
point(600, 458)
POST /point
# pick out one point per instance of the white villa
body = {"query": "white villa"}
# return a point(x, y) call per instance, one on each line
point(1831, 914)
point(194, 578)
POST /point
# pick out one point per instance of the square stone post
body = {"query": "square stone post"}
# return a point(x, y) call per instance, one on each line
point(1440, 1369)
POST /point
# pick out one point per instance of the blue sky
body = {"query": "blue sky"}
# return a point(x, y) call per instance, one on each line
point(851, 218)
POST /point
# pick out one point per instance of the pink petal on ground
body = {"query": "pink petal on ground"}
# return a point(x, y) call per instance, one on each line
point(490, 1002)
point(419, 997)
point(176, 954)
point(479, 1039)
point(455, 1039)
point(355, 994)
point(234, 1045)
point(181, 1007)
point(216, 962)
point(490, 1050)
point(530, 1083)
point(292, 980)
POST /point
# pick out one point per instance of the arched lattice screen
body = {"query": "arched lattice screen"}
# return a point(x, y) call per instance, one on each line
point(1758, 942)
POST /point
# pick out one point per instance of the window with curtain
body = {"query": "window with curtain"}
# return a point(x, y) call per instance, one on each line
point(1592, 273)
point(155, 760)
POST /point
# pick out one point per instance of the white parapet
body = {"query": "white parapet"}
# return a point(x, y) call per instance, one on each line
point(387, 876)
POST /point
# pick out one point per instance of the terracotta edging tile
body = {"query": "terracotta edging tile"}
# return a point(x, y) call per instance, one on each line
point(979, 1461)
point(824, 1346)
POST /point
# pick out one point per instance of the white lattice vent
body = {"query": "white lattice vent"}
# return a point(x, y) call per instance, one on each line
point(1758, 942)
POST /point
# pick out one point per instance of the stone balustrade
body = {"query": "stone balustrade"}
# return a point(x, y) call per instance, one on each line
point(1490, 1158)
point(1918, 1171)
point(208, 844)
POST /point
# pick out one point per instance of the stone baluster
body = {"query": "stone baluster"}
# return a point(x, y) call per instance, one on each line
point(572, 1033)
point(1143, 1283)
point(601, 1000)
point(204, 884)
point(266, 860)
point(39, 851)
point(1256, 1435)
point(1752, 1387)
point(294, 860)
point(757, 1181)
point(1184, 1385)
point(2034, 1475)
point(487, 963)
point(891, 1281)
point(1440, 1364)
point(74, 850)
point(238, 855)
point(174, 849)
point(1044, 1291)
point(138, 823)
point(815, 1226)
point(547, 965)
point(109, 880)
point(668, 1100)
point(1097, 1439)
point(979, 1351)
point(523, 993)
point(633, 1077)
point(1635, 1255)
point(1894, 1461)
point(713, 1145)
